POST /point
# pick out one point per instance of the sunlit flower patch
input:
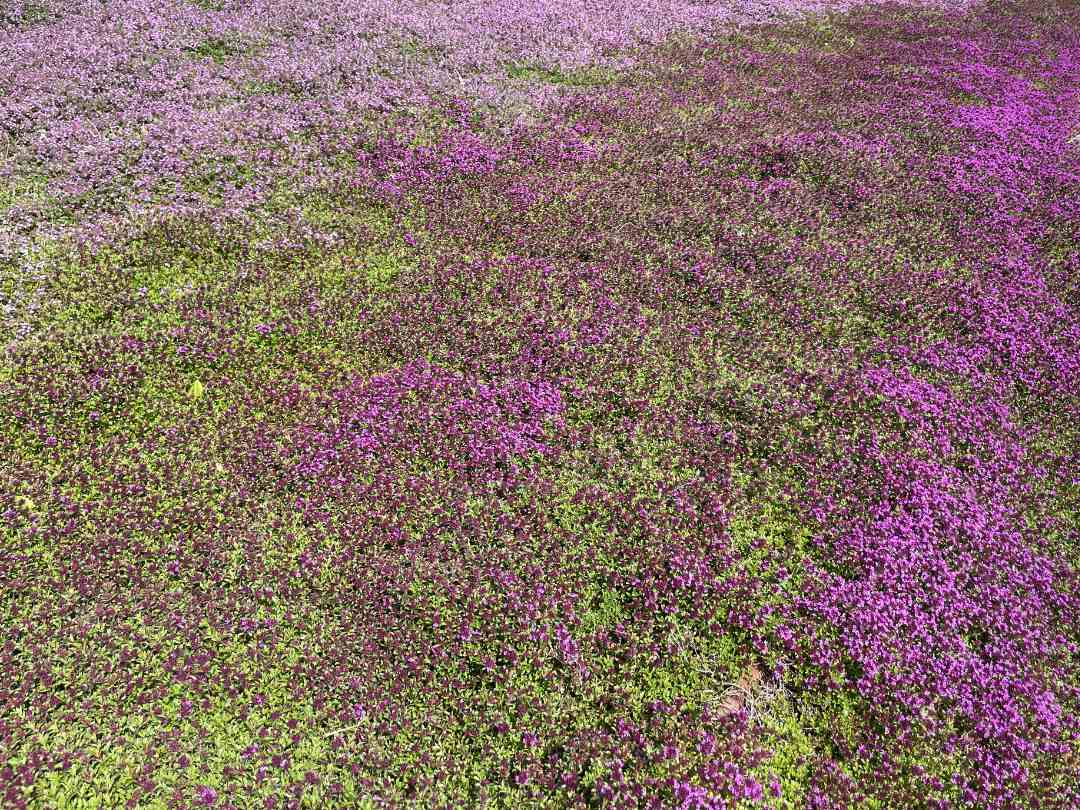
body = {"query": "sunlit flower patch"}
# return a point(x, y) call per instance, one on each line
point(539, 405)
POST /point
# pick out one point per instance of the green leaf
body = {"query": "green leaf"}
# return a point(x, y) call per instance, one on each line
point(196, 391)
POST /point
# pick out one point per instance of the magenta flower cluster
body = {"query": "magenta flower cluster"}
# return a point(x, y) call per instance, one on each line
point(485, 427)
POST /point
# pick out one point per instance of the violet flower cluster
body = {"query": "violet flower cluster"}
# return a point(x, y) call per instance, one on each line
point(140, 108)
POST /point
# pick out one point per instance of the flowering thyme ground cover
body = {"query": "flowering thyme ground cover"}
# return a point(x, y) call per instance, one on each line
point(708, 438)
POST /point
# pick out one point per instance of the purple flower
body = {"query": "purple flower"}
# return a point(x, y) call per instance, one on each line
point(207, 795)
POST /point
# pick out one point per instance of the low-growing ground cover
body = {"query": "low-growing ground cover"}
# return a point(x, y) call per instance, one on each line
point(711, 441)
point(207, 106)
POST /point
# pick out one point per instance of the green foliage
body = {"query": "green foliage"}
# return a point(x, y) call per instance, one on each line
point(965, 99)
point(218, 50)
point(415, 47)
point(32, 14)
point(574, 77)
point(22, 189)
point(260, 88)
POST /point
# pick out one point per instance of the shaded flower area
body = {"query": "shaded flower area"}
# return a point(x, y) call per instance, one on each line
point(709, 440)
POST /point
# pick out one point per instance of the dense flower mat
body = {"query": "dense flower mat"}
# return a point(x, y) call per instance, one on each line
point(209, 106)
point(712, 440)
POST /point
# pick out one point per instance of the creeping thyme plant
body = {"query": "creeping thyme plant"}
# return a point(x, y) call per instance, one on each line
point(542, 404)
